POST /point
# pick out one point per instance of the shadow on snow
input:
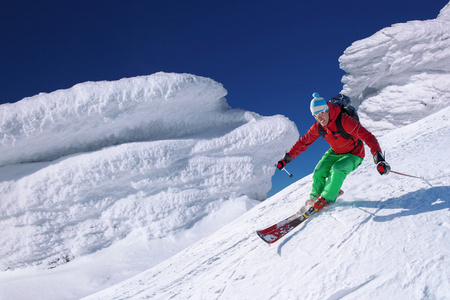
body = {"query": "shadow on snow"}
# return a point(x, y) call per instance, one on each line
point(413, 203)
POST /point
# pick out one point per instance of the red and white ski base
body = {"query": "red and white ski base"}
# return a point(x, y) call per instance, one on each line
point(277, 231)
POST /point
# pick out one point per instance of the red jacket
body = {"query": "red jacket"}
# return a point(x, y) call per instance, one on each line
point(336, 141)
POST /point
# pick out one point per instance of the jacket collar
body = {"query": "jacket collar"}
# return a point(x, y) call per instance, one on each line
point(334, 111)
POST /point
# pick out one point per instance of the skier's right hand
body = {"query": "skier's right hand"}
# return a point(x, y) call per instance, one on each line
point(282, 163)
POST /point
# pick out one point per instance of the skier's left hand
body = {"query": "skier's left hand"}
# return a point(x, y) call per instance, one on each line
point(383, 168)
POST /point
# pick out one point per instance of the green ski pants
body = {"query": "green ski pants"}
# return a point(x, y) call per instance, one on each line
point(335, 168)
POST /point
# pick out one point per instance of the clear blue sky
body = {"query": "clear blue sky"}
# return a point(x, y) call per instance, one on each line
point(270, 55)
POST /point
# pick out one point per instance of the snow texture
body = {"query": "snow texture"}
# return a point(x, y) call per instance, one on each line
point(161, 158)
point(401, 73)
point(150, 188)
point(386, 238)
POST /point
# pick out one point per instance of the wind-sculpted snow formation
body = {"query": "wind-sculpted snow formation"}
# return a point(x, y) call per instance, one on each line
point(401, 72)
point(93, 115)
point(160, 154)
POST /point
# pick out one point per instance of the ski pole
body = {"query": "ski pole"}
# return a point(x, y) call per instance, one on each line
point(412, 176)
point(290, 175)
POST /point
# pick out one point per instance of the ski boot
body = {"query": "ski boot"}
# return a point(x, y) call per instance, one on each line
point(310, 202)
point(320, 203)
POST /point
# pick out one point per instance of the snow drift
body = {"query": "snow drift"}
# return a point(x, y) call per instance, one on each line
point(93, 115)
point(159, 157)
point(401, 72)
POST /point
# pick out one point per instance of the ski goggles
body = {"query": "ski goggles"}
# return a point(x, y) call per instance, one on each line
point(320, 113)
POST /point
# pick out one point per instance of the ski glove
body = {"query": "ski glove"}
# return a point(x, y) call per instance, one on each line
point(382, 166)
point(282, 163)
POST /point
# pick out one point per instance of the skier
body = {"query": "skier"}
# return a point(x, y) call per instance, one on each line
point(344, 156)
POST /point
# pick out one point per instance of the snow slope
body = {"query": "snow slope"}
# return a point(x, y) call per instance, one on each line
point(146, 165)
point(388, 237)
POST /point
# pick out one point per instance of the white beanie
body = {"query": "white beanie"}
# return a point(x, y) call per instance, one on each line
point(318, 104)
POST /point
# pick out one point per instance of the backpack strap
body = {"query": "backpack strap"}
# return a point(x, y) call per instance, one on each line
point(341, 131)
point(356, 146)
point(340, 128)
point(322, 131)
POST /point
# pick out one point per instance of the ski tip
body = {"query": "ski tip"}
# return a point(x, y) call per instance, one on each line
point(263, 237)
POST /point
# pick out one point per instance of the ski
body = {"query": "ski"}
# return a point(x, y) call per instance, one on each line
point(275, 232)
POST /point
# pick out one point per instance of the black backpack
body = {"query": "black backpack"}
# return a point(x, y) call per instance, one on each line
point(345, 104)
